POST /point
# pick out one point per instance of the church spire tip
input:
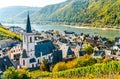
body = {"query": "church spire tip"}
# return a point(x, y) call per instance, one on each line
point(28, 26)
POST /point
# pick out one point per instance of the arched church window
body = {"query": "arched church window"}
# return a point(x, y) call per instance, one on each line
point(30, 39)
point(23, 62)
point(32, 65)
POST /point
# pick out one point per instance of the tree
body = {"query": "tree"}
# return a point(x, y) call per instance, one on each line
point(24, 76)
point(56, 32)
point(45, 65)
point(89, 49)
point(24, 73)
point(11, 73)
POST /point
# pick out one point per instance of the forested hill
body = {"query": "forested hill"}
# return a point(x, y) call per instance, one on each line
point(101, 13)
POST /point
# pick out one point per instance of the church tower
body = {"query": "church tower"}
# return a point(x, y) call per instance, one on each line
point(28, 39)
point(27, 59)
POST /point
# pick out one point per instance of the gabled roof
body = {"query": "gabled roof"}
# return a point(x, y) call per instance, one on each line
point(82, 53)
point(69, 32)
point(5, 62)
point(44, 47)
point(32, 60)
point(66, 50)
point(28, 26)
point(24, 54)
point(69, 51)
point(99, 53)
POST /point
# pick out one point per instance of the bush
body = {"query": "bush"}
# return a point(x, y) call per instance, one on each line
point(71, 64)
point(86, 60)
point(11, 73)
point(106, 60)
point(89, 49)
point(60, 67)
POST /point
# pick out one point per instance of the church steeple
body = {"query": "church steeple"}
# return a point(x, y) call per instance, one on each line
point(28, 26)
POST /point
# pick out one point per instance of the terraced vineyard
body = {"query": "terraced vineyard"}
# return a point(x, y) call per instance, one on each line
point(5, 34)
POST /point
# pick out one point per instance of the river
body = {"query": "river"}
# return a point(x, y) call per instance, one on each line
point(103, 33)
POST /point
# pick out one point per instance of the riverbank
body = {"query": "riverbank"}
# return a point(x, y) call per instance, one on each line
point(104, 32)
point(81, 27)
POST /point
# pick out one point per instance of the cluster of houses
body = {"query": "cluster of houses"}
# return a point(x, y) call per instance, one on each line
point(52, 46)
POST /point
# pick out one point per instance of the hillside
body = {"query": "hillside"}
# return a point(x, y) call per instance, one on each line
point(5, 34)
point(98, 13)
point(15, 13)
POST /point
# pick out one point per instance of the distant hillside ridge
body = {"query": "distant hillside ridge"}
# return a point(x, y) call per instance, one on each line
point(97, 13)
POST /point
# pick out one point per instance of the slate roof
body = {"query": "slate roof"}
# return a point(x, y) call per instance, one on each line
point(69, 51)
point(28, 26)
point(117, 39)
point(69, 32)
point(32, 60)
point(57, 56)
point(24, 54)
point(63, 40)
point(5, 62)
point(46, 47)
point(99, 53)
point(82, 53)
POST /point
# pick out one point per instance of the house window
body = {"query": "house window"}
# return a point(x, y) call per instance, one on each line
point(32, 65)
point(23, 62)
point(38, 61)
point(30, 39)
point(49, 58)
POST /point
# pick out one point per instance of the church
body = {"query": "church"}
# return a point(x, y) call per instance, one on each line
point(33, 52)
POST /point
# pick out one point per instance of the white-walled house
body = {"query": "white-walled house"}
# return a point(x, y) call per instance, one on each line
point(117, 40)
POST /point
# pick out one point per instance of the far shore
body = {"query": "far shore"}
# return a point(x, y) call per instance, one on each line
point(76, 26)
point(82, 27)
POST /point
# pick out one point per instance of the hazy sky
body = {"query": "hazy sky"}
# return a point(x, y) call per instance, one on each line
point(33, 3)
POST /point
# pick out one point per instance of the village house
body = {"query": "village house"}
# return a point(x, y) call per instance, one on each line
point(67, 52)
point(117, 40)
point(15, 52)
point(5, 62)
point(98, 54)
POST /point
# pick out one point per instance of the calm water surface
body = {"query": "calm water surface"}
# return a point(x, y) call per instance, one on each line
point(103, 33)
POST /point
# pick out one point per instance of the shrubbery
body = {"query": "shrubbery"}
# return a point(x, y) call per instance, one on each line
point(86, 60)
point(96, 70)
point(11, 73)
point(60, 67)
